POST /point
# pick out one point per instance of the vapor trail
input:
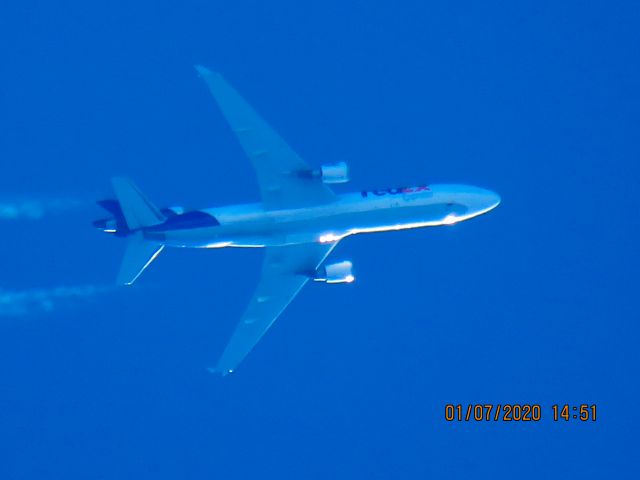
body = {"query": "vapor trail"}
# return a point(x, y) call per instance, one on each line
point(35, 209)
point(25, 302)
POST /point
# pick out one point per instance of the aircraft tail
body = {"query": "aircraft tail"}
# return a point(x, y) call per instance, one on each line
point(138, 256)
point(138, 213)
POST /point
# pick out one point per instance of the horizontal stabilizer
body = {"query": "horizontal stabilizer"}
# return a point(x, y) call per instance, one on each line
point(138, 211)
point(112, 206)
point(137, 257)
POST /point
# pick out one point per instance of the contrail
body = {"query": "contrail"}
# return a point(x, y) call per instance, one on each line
point(35, 209)
point(25, 302)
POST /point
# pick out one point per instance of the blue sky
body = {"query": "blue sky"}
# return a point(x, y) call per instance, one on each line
point(534, 303)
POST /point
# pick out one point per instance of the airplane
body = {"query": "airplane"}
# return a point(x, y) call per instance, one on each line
point(298, 222)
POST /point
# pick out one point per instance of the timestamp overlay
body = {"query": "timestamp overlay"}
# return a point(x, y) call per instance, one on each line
point(520, 412)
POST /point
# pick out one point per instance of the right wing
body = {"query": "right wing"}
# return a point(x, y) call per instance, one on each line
point(277, 166)
point(284, 272)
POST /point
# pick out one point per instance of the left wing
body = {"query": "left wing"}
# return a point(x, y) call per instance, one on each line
point(280, 171)
point(284, 272)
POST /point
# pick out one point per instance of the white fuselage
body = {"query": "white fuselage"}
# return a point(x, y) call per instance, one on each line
point(250, 225)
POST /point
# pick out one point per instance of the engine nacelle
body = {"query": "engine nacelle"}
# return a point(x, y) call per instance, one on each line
point(335, 173)
point(341, 272)
point(108, 225)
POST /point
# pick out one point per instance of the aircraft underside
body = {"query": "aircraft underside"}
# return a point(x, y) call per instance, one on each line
point(299, 220)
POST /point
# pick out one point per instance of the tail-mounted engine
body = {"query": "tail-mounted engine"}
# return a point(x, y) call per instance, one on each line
point(341, 272)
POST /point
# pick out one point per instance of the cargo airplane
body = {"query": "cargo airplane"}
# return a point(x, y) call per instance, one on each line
point(298, 222)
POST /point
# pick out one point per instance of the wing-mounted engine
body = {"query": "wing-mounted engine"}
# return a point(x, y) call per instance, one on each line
point(341, 272)
point(333, 173)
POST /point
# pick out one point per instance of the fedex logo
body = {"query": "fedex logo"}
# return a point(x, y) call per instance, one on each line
point(395, 191)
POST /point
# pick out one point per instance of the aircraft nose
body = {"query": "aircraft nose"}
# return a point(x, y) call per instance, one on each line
point(484, 201)
point(492, 199)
